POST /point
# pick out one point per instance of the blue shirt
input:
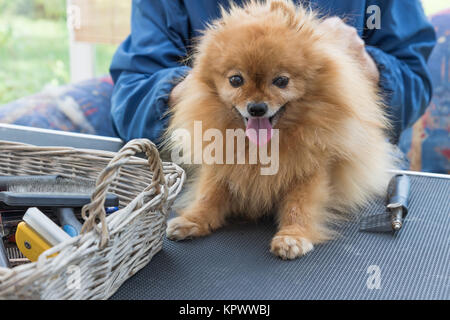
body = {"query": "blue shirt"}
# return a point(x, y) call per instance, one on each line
point(147, 63)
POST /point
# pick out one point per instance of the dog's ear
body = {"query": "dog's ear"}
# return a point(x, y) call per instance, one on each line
point(287, 9)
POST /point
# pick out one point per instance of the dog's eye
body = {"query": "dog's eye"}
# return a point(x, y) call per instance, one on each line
point(281, 82)
point(236, 81)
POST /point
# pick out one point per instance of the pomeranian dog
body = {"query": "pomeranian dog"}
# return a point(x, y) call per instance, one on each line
point(271, 65)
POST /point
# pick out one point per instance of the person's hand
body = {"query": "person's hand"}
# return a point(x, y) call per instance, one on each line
point(350, 37)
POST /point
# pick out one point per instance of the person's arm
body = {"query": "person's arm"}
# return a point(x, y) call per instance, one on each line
point(146, 66)
point(400, 49)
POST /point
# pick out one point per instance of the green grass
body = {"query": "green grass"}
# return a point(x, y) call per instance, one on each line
point(103, 56)
point(35, 54)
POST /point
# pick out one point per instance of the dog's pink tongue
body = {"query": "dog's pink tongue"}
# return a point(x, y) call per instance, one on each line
point(255, 130)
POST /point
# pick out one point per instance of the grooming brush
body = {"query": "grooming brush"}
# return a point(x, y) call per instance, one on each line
point(29, 242)
point(50, 193)
point(15, 256)
point(63, 195)
point(10, 218)
point(396, 209)
point(7, 181)
point(45, 227)
point(38, 233)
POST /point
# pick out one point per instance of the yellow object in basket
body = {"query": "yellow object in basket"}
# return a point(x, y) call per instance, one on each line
point(29, 242)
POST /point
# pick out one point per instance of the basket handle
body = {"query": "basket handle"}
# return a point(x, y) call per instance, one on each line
point(94, 212)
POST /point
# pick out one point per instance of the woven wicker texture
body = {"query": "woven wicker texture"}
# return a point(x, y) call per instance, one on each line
point(110, 249)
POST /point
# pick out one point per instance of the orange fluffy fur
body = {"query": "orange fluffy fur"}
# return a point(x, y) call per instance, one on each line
point(333, 153)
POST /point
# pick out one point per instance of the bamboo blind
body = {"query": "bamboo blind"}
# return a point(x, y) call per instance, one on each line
point(99, 21)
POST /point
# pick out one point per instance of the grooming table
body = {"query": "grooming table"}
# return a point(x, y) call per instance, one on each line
point(235, 263)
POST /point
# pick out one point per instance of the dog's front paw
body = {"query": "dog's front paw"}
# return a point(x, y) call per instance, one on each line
point(290, 247)
point(181, 228)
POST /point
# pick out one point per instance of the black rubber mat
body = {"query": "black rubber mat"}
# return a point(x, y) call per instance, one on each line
point(235, 263)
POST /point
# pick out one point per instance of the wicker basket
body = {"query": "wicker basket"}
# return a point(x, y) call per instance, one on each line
point(110, 249)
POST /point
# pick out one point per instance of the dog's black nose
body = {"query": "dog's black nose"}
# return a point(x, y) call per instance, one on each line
point(257, 109)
